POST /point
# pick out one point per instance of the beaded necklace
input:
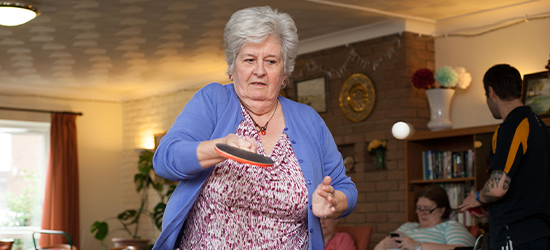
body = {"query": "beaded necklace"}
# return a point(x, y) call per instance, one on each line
point(262, 129)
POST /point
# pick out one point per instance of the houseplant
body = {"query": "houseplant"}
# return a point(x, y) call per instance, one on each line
point(129, 219)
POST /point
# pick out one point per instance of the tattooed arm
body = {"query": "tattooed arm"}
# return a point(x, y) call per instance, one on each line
point(494, 189)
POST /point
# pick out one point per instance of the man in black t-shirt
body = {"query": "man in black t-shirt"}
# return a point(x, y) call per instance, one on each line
point(518, 188)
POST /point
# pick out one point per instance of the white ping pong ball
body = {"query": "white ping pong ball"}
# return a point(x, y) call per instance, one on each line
point(400, 130)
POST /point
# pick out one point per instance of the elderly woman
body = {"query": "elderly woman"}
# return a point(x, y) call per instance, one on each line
point(222, 204)
point(433, 231)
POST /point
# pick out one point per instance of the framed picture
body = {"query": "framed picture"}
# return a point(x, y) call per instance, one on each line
point(536, 93)
point(313, 92)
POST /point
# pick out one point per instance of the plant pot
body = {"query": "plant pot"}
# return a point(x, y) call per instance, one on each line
point(380, 158)
point(139, 244)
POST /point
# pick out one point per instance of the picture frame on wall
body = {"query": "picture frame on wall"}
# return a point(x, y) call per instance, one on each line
point(536, 93)
point(314, 92)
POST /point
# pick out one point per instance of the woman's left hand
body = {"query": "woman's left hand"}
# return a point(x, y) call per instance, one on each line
point(328, 202)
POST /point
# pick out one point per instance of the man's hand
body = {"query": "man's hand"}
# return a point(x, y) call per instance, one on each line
point(469, 202)
point(494, 189)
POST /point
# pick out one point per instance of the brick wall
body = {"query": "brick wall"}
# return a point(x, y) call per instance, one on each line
point(381, 201)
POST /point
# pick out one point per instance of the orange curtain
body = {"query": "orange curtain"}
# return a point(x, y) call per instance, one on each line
point(61, 209)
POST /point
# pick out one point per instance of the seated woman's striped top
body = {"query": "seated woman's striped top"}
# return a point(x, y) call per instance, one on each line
point(449, 232)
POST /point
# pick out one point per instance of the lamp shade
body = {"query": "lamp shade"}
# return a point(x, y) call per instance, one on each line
point(13, 14)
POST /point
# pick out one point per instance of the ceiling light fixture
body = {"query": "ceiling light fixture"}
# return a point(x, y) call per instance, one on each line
point(13, 14)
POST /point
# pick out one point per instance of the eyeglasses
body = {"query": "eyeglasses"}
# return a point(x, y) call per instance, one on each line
point(425, 210)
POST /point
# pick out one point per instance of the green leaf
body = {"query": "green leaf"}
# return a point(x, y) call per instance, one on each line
point(126, 215)
point(101, 228)
point(144, 167)
point(158, 213)
point(140, 181)
point(171, 189)
point(145, 163)
point(157, 186)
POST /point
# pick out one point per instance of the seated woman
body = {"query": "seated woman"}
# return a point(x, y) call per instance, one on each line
point(433, 231)
point(335, 240)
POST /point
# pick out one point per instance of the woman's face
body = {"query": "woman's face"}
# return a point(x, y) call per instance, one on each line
point(258, 73)
point(425, 217)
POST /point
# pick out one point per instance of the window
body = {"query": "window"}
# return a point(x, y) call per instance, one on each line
point(24, 150)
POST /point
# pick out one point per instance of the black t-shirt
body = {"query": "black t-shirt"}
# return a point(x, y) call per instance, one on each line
point(521, 148)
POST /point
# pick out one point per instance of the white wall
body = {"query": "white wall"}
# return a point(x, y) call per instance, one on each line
point(99, 151)
point(525, 46)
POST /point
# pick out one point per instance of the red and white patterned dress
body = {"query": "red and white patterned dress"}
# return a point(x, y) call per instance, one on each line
point(242, 206)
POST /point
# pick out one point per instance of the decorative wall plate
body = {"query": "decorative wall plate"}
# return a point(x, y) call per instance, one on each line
point(357, 97)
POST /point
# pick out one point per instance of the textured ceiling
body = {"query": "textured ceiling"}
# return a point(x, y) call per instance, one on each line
point(118, 47)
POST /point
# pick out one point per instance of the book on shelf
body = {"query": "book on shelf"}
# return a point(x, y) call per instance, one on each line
point(457, 192)
point(464, 218)
point(447, 164)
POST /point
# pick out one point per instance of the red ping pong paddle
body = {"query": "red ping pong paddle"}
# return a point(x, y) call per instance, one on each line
point(243, 156)
point(476, 210)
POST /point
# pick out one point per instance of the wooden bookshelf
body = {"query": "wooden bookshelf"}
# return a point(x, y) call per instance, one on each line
point(462, 179)
point(478, 139)
point(475, 138)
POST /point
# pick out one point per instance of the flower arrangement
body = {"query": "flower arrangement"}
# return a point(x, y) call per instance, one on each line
point(376, 144)
point(379, 148)
point(444, 77)
point(423, 79)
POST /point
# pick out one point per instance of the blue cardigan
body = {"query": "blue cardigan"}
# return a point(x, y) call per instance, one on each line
point(214, 112)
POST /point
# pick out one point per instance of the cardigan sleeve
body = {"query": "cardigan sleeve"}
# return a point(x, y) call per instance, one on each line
point(176, 156)
point(334, 167)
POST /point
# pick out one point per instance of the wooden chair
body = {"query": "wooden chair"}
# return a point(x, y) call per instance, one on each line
point(56, 246)
point(360, 235)
point(6, 245)
point(474, 230)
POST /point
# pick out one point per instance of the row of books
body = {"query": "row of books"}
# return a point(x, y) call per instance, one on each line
point(447, 164)
point(464, 218)
point(457, 192)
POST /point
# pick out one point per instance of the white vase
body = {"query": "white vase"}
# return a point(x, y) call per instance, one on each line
point(440, 105)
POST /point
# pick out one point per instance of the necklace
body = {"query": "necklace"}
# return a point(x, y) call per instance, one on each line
point(264, 128)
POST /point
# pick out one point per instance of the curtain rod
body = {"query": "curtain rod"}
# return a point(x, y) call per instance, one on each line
point(41, 111)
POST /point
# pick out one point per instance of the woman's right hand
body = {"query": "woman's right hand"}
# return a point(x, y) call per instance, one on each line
point(246, 143)
point(406, 241)
point(208, 156)
point(387, 243)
